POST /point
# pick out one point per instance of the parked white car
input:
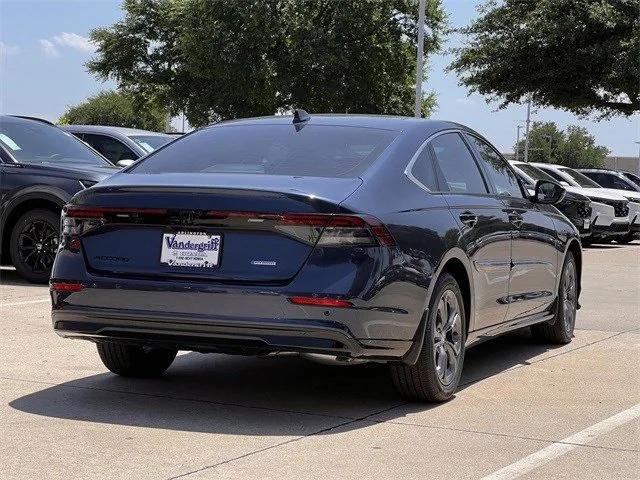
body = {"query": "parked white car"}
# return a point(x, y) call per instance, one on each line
point(626, 224)
point(602, 215)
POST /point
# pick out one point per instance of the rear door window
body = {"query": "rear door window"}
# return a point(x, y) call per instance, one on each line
point(114, 150)
point(456, 167)
point(423, 170)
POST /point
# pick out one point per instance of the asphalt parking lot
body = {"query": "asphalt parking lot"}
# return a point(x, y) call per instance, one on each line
point(523, 410)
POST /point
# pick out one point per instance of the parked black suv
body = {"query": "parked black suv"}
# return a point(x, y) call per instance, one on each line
point(41, 168)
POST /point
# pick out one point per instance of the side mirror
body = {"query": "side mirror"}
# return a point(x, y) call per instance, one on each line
point(548, 192)
point(124, 163)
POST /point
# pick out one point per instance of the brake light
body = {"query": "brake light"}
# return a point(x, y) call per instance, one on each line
point(77, 220)
point(319, 228)
point(321, 302)
point(73, 211)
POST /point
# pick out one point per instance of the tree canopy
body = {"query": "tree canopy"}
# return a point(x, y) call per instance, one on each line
point(574, 147)
point(116, 109)
point(582, 56)
point(217, 59)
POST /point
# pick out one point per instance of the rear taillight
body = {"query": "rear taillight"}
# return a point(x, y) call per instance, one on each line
point(318, 228)
point(78, 220)
point(321, 229)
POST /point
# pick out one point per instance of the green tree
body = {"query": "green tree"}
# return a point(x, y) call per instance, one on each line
point(578, 55)
point(117, 109)
point(215, 59)
point(574, 147)
point(579, 149)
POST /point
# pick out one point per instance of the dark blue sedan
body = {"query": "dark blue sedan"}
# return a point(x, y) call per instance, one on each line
point(387, 239)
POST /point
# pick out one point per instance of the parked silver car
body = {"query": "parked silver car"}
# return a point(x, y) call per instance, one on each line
point(121, 146)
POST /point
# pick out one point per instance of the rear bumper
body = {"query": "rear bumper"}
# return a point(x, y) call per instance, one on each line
point(248, 336)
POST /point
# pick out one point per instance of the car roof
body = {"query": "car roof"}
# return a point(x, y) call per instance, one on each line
point(388, 122)
point(603, 170)
point(549, 165)
point(108, 129)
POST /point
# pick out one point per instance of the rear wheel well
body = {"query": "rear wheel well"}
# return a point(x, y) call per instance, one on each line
point(16, 213)
point(456, 269)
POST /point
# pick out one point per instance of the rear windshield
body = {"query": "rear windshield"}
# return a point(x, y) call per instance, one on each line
point(310, 151)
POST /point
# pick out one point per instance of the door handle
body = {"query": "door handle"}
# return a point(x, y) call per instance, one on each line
point(469, 219)
point(516, 219)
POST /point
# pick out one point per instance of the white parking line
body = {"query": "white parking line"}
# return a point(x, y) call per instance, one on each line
point(557, 449)
point(26, 302)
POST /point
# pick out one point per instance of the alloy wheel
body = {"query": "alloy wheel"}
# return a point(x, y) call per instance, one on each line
point(37, 245)
point(447, 337)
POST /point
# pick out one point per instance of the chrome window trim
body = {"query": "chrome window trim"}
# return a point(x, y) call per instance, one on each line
point(408, 169)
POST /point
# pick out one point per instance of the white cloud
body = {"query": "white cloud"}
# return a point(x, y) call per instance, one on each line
point(75, 41)
point(52, 47)
point(8, 50)
point(49, 48)
point(464, 101)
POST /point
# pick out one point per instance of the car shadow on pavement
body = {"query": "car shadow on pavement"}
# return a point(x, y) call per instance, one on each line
point(9, 277)
point(277, 395)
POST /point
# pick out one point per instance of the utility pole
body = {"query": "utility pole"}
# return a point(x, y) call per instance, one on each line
point(526, 140)
point(167, 121)
point(518, 143)
point(420, 62)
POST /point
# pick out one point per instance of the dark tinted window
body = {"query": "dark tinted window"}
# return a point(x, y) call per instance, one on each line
point(534, 172)
point(556, 176)
point(310, 151)
point(503, 179)
point(114, 150)
point(456, 166)
point(423, 171)
point(579, 178)
point(630, 176)
point(601, 179)
point(611, 180)
point(36, 142)
point(149, 143)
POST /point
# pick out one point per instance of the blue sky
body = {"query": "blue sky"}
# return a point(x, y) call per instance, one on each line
point(43, 48)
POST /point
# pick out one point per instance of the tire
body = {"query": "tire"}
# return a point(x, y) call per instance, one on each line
point(629, 237)
point(33, 244)
point(560, 331)
point(427, 381)
point(135, 361)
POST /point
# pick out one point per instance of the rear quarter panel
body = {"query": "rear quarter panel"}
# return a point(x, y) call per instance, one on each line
point(422, 225)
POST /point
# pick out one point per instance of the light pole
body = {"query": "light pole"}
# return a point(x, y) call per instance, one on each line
point(526, 140)
point(518, 142)
point(420, 62)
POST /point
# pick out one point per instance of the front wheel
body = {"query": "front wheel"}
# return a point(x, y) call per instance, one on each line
point(629, 237)
point(561, 330)
point(135, 361)
point(436, 374)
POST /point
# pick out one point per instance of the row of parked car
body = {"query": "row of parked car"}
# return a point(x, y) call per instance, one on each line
point(604, 205)
point(42, 166)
